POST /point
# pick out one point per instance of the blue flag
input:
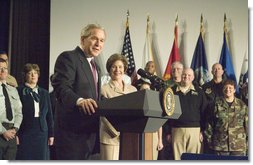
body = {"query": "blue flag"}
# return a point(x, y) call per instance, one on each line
point(226, 62)
point(127, 51)
point(199, 63)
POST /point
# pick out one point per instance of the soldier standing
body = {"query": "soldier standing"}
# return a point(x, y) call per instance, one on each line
point(227, 126)
point(214, 87)
point(186, 131)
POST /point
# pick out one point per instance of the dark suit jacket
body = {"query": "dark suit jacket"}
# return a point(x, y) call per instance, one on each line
point(73, 79)
point(46, 116)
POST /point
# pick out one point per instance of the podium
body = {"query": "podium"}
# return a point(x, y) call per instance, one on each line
point(135, 115)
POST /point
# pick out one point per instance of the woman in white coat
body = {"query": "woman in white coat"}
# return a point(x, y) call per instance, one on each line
point(116, 66)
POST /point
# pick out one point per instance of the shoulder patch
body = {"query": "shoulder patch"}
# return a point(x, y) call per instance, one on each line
point(208, 91)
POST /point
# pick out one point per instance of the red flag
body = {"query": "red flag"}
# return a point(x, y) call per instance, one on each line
point(174, 54)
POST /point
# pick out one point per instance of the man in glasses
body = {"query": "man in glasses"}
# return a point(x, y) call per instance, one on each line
point(10, 79)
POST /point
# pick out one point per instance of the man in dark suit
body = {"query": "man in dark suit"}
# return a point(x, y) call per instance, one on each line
point(77, 85)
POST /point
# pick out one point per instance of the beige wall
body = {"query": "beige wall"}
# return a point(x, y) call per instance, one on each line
point(68, 17)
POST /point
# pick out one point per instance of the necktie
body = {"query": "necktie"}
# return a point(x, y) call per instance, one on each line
point(28, 91)
point(7, 104)
point(94, 72)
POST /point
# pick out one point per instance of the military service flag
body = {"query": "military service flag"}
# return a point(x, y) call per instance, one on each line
point(199, 61)
point(174, 54)
point(226, 61)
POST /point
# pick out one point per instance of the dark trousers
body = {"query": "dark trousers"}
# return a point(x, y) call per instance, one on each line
point(71, 146)
point(167, 152)
point(8, 149)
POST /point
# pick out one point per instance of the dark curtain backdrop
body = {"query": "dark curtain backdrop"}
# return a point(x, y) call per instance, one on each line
point(4, 24)
point(30, 38)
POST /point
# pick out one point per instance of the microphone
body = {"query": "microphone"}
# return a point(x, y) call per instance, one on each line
point(153, 78)
point(144, 74)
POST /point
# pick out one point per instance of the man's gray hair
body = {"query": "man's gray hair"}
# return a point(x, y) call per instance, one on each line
point(177, 62)
point(86, 31)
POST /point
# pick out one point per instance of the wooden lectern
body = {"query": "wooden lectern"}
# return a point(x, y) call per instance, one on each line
point(136, 115)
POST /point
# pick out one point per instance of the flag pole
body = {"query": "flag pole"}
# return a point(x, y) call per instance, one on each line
point(148, 19)
point(176, 29)
point(225, 29)
point(176, 21)
point(150, 56)
point(127, 24)
point(202, 26)
point(225, 23)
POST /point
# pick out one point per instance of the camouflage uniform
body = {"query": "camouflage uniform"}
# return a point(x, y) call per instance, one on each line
point(227, 126)
point(212, 91)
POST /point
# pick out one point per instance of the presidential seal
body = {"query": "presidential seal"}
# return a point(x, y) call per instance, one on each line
point(168, 102)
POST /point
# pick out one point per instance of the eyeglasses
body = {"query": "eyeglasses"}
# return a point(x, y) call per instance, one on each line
point(3, 69)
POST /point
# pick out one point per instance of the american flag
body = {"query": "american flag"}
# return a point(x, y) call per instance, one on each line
point(127, 51)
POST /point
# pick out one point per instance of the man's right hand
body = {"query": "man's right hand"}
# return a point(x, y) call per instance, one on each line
point(88, 106)
point(9, 134)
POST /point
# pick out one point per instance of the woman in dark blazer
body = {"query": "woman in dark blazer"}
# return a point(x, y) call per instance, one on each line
point(36, 131)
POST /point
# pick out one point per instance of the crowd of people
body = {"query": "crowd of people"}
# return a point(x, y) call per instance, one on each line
point(27, 125)
point(213, 119)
